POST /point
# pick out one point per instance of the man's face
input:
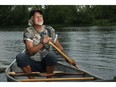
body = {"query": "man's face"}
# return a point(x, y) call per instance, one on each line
point(37, 19)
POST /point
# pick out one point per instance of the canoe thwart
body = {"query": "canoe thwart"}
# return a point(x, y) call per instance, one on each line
point(44, 74)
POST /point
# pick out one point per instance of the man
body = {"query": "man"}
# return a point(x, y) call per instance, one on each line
point(38, 56)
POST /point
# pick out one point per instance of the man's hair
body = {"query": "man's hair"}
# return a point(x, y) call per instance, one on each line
point(33, 12)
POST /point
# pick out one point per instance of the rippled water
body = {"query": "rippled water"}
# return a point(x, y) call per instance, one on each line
point(94, 50)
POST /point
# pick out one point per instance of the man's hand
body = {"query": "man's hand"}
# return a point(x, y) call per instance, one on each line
point(46, 40)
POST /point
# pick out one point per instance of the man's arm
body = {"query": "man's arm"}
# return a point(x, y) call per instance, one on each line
point(57, 43)
point(32, 49)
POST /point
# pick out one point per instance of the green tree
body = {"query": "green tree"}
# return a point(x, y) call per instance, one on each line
point(20, 15)
point(5, 15)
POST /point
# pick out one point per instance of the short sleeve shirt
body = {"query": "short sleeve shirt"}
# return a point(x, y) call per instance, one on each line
point(32, 35)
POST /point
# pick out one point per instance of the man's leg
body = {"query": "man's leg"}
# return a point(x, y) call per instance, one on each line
point(23, 63)
point(50, 61)
point(27, 69)
point(50, 70)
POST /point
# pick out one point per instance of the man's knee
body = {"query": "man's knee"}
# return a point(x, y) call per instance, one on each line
point(19, 57)
point(51, 59)
point(21, 60)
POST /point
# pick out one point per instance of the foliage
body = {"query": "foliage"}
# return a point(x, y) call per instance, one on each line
point(75, 15)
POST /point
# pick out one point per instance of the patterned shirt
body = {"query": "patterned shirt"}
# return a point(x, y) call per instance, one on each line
point(32, 35)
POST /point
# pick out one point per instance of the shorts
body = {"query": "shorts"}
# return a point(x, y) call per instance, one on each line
point(36, 66)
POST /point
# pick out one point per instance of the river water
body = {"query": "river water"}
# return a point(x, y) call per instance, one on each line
point(93, 48)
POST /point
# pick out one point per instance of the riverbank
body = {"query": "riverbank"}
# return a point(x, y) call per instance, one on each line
point(62, 28)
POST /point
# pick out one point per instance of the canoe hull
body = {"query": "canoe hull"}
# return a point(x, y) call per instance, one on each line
point(60, 77)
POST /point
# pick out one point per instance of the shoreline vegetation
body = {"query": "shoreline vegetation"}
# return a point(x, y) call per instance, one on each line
point(15, 17)
point(60, 27)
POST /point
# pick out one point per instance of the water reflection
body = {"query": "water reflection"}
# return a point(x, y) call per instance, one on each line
point(93, 50)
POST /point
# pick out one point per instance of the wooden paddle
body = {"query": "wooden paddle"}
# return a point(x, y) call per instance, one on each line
point(64, 55)
point(58, 79)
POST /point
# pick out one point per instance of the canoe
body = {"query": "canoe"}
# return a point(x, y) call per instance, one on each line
point(62, 73)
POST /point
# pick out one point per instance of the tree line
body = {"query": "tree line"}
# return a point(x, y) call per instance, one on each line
point(65, 15)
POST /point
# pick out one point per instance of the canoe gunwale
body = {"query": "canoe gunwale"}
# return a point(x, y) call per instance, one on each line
point(6, 72)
